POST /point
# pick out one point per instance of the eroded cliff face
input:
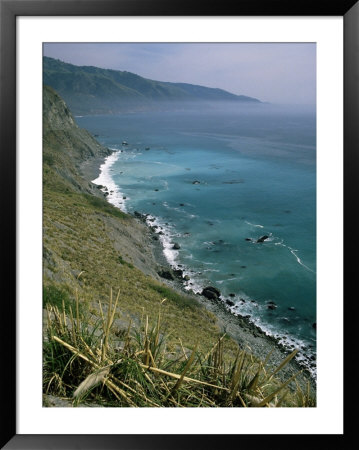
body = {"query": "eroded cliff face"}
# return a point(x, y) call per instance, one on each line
point(82, 231)
point(56, 115)
point(65, 145)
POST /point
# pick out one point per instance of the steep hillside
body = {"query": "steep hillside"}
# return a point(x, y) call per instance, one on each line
point(91, 250)
point(84, 234)
point(65, 146)
point(88, 89)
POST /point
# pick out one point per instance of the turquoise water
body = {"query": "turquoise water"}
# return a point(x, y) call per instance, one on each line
point(212, 179)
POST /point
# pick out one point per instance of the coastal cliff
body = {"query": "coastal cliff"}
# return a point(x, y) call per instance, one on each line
point(91, 248)
point(83, 233)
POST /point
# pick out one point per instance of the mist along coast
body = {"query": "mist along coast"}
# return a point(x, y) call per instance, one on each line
point(175, 180)
point(126, 321)
point(179, 225)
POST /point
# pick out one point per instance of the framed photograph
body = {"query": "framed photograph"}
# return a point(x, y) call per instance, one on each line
point(174, 181)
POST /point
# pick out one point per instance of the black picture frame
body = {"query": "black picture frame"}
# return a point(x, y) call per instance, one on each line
point(9, 10)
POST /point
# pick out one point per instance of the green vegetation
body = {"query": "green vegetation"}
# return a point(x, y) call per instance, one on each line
point(170, 294)
point(122, 261)
point(87, 359)
point(56, 296)
point(102, 205)
point(89, 89)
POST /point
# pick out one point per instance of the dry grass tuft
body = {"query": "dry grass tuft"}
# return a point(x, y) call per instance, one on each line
point(85, 359)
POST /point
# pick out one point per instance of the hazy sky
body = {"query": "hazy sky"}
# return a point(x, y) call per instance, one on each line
point(278, 73)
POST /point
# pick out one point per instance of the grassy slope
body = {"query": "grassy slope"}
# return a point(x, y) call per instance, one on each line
point(89, 248)
point(83, 233)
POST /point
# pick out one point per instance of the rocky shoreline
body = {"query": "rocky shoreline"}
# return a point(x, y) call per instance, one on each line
point(248, 335)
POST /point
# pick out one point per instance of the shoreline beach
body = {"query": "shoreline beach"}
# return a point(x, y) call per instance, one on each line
point(243, 331)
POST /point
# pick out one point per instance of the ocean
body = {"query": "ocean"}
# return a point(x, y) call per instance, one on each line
point(215, 180)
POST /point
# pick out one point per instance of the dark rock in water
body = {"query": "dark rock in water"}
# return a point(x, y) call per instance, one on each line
point(181, 204)
point(187, 278)
point(243, 267)
point(291, 308)
point(243, 300)
point(178, 273)
point(271, 302)
point(213, 289)
point(229, 303)
point(160, 232)
point(167, 274)
point(155, 238)
point(106, 194)
point(287, 211)
point(232, 295)
point(176, 246)
point(211, 293)
point(156, 190)
point(248, 239)
point(196, 182)
point(271, 306)
point(314, 325)
point(147, 148)
point(138, 215)
point(124, 197)
point(262, 239)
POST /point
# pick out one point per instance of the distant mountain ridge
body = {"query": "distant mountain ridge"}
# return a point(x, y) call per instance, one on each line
point(90, 90)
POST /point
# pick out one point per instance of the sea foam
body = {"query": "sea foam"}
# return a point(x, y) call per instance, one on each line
point(115, 196)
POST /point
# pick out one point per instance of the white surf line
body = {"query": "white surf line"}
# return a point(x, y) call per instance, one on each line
point(115, 196)
point(254, 225)
point(293, 252)
point(299, 260)
point(283, 337)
